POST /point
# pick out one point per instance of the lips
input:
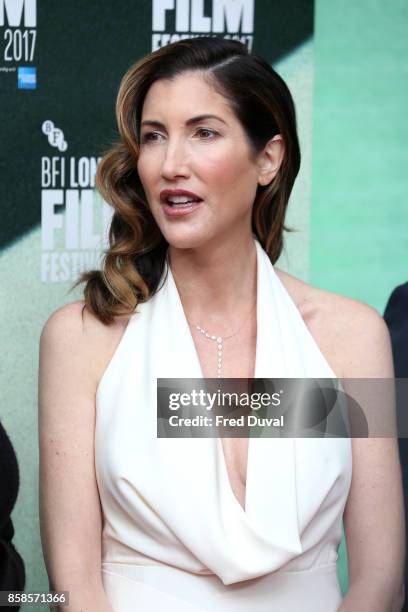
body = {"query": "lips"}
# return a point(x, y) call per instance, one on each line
point(166, 193)
point(178, 211)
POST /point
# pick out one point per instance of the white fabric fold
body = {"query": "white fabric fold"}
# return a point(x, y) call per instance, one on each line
point(169, 501)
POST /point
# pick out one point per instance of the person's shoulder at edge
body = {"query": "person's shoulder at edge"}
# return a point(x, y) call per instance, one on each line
point(351, 334)
point(75, 330)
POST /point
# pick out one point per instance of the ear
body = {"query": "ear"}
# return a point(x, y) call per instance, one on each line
point(269, 161)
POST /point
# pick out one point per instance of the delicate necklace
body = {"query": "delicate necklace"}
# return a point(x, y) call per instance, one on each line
point(220, 339)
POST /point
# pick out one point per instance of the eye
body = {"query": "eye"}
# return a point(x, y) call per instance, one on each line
point(208, 131)
point(147, 136)
point(208, 135)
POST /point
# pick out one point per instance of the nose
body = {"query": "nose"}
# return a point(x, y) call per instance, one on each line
point(175, 160)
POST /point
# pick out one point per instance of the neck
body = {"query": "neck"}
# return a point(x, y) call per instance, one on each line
point(216, 284)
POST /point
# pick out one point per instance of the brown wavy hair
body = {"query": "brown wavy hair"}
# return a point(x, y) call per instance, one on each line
point(135, 260)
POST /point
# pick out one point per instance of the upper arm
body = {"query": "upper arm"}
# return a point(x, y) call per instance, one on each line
point(70, 514)
point(374, 513)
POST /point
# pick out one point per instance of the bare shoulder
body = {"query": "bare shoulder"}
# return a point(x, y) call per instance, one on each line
point(74, 331)
point(352, 335)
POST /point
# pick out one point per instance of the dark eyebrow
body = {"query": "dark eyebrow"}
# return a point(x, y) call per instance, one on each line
point(191, 121)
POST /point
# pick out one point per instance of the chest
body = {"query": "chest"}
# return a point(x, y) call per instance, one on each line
point(238, 361)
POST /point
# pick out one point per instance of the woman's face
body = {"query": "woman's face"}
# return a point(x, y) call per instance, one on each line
point(209, 157)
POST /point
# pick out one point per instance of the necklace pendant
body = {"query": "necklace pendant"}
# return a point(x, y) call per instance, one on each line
point(220, 340)
point(219, 361)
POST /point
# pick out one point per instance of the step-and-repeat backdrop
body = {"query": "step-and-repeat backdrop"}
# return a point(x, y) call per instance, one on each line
point(60, 68)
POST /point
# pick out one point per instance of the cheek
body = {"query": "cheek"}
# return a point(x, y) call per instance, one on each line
point(148, 169)
point(142, 170)
point(230, 177)
point(220, 171)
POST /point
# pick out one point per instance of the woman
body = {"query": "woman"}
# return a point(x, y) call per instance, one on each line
point(199, 183)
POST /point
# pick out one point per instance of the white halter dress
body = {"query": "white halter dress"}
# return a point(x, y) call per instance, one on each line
point(175, 538)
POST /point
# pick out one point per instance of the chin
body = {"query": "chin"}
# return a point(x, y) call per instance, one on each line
point(185, 238)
